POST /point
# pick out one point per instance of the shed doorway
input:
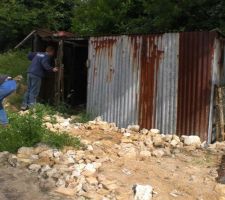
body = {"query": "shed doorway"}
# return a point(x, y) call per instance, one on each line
point(73, 81)
point(75, 72)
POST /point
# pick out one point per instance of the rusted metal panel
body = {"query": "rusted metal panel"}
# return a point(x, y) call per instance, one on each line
point(194, 84)
point(166, 84)
point(159, 72)
point(113, 79)
point(162, 81)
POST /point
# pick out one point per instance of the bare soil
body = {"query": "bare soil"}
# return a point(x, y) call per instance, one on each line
point(185, 176)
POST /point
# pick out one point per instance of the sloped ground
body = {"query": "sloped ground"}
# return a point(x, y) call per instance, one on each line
point(180, 172)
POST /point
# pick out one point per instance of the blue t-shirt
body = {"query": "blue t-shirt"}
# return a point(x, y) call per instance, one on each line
point(40, 64)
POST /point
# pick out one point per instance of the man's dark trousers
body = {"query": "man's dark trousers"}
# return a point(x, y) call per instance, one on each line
point(33, 89)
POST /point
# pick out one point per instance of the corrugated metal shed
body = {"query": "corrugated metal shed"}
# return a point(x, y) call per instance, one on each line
point(162, 81)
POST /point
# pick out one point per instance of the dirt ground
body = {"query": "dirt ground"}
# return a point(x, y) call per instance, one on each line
point(183, 176)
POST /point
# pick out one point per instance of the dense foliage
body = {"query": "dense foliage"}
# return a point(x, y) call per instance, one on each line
point(142, 16)
point(19, 17)
point(89, 17)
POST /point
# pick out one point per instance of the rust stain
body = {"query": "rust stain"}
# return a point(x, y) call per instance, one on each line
point(194, 82)
point(103, 43)
point(150, 59)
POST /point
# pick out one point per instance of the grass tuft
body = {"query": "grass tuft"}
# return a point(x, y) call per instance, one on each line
point(28, 130)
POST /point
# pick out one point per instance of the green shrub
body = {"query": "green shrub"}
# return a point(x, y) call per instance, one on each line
point(28, 130)
point(14, 63)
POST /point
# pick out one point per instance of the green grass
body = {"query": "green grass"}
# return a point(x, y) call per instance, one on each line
point(28, 130)
point(14, 63)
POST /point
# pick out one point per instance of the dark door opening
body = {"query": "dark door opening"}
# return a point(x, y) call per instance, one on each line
point(75, 72)
point(74, 87)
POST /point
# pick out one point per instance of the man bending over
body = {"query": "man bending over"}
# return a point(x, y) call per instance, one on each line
point(40, 65)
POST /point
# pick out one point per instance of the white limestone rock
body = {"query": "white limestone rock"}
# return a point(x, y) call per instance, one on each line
point(143, 192)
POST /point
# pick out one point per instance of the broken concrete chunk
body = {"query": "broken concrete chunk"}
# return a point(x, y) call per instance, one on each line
point(143, 192)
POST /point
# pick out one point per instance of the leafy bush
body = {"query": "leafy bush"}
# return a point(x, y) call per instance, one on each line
point(28, 130)
point(14, 63)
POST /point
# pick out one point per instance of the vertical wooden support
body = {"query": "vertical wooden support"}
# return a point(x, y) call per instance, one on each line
point(59, 94)
point(221, 113)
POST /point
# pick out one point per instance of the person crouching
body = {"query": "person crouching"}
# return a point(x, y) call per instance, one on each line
point(7, 87)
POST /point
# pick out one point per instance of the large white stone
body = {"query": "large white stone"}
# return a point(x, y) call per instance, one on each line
point(192, 140)
point(134, 128)
point(155, 131)
point(142, 192)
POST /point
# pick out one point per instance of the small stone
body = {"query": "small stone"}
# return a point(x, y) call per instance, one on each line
point(142, 192)
point(60, 183)
point(66, 191)
point(51, 172)
point(134, 128)
point(127, 150)
point(89, 170)
point(158, 153)
point(57, 153)
point(145, 154)
point(110, 185)
point(144, 131)
point(155, 131)
point(168, 138)
point(25, 152)
point(127, 134)
point(46, 154)
point(92, 180)
point(174, 143)
point(158, 141)
point(34, 167)
point(12, 160)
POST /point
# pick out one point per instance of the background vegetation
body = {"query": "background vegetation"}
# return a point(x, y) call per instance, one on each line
point(91, 17)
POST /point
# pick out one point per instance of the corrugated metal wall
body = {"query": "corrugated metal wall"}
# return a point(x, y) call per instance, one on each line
point(158, 81)
point(159, 74)
point(113, 83)
point(195, 80)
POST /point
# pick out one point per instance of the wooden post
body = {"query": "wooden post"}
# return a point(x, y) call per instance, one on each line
point(221, 113)
point(59, 77)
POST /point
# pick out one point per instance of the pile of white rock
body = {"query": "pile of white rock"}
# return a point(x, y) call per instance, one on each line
point(68, 172)
point(77, 173)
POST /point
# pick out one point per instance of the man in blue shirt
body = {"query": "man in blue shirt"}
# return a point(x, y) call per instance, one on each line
point(40, 65)
point(7, 86)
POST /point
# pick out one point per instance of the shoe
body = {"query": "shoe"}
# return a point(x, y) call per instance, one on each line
point(23, 108)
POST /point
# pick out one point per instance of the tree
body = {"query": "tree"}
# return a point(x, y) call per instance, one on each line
point(144, 16)
point(19, 17)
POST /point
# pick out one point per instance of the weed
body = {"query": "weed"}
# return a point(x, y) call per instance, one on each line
point(28, 130)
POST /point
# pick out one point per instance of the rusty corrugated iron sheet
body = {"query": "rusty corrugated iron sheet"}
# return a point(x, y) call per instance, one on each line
point(159, 81)
point(159, 74)
point(194, 84)
point(113, 79)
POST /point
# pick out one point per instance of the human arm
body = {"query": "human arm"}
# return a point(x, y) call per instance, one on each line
point(46, 64)
point(31, 55)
